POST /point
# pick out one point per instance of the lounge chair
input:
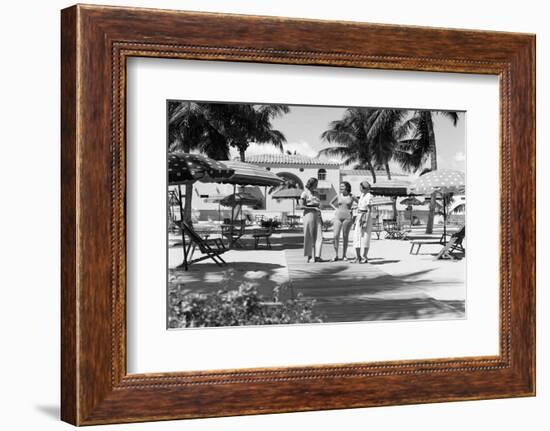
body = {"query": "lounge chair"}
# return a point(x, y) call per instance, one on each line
point(211, 248)
point(263, 234)
point(454, 246)
point(441, 241)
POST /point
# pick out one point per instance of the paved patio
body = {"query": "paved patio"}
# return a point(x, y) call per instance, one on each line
point(393, 285)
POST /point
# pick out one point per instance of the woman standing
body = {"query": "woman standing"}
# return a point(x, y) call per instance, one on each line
point(342, 218)
point(363, 224)
point(313, 231)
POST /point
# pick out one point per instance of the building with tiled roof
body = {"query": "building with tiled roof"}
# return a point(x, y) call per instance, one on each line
point(296, 170)
point(289, 160)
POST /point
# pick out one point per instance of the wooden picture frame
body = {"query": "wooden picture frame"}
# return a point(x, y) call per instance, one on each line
point(95, 42)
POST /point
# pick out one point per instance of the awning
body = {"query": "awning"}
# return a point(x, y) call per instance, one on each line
point(394, 187)
point(287, 194)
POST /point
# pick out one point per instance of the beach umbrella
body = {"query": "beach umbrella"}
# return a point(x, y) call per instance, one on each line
point(249, 174)
point(378, 201)
point(239, 199)
point(216, 199)
point(290, 193)
point(411, 201)
point(186, 168)
point(442, 182)
point(459, 208)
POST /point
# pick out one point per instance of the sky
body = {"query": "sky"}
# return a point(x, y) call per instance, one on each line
point(303, 127)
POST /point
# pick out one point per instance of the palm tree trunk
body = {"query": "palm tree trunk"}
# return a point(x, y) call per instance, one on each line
point(242, 151)
point(433, 167)
point(372, 172)
point(388, 173)
point(187, 216)
point(394, 198)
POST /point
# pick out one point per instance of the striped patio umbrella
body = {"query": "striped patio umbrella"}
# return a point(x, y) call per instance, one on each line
point(289, 193)
point(248, 174)
point(412, 201)
point(239, 198)
point(185, 168)
point(379, 201)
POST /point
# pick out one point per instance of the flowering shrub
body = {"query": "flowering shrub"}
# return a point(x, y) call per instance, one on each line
point(242, 306)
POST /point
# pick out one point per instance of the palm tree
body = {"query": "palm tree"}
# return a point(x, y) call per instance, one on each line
point(240, 124)
point(418, 144)
point(212, 128)
point(367, 137)
point(191, 126)
point(351, 136)
point(382, 128)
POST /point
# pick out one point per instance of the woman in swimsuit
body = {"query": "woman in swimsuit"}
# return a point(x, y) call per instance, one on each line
point(342, 221)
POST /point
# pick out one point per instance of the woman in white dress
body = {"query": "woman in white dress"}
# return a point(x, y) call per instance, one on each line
point(363, 224)
point(313, 228)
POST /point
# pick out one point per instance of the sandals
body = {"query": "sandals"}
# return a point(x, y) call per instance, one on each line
point(334, 259)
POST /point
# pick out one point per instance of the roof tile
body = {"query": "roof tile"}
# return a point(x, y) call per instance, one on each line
point(287, 159)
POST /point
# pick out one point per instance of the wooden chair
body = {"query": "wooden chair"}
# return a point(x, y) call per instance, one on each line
point(234, 232)
point(211, 248)
point(263, 234)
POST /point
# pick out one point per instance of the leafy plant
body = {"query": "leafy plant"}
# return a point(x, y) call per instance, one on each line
point(270, 223)
point(242, 306)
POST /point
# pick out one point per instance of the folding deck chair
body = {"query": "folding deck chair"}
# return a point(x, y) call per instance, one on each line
point(441, 241)
point(211, 248)
point(454, 246)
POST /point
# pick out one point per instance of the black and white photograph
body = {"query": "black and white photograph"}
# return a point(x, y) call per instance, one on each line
point(293, 214)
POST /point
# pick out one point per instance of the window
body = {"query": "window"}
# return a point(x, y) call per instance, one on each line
point(322, 174)
point(323, 196)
